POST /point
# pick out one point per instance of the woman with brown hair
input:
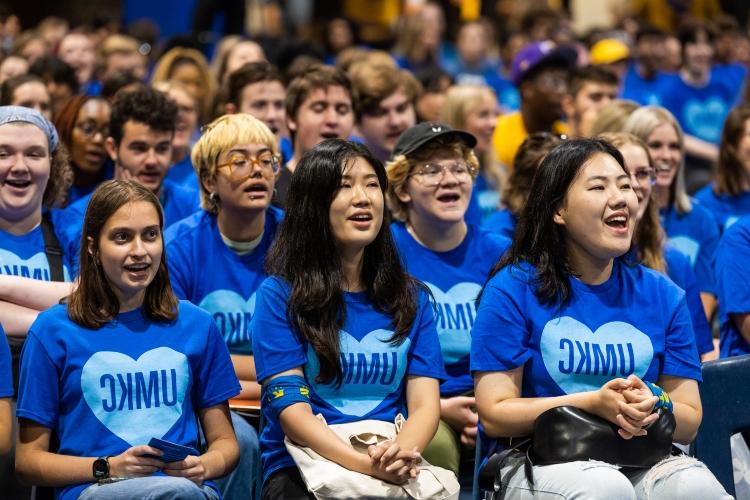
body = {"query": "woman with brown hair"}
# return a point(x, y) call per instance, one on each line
point(83, 125)
point(728, 197)
point(123, 371)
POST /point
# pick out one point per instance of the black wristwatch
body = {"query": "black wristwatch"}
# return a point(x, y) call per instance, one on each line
point(101, 468)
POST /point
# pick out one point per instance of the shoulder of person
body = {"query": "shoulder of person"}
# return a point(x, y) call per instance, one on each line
point(491, 241)
point(192, 224)
point(650, 282)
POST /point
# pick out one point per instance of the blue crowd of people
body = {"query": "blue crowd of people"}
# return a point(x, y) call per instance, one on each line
point(431, 243)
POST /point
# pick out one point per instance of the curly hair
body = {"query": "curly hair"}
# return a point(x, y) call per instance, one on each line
point(143, 105)
point(60, 179)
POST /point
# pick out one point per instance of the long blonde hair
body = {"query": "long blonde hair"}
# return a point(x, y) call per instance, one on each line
point(641, 123)
point(649, 235)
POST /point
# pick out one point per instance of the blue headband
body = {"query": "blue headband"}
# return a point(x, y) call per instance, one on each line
point(10, 114)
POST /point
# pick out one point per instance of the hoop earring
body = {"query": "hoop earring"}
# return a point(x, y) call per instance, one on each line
point(213, 197)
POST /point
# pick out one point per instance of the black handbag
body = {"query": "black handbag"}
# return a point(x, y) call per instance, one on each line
point(569, 434)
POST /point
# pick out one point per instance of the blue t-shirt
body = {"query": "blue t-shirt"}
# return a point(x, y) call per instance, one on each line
point(502, 222)
point(680, 272)
point(635, 322)
point(227, 292)
point(23, 255)
point(484, 201)
point(374, 371)
point(733, 74)
point(701, 111)
point(643, 91)
point(696, 235)
point(508, 97)
point(733, 285)
point(455, 278)
point(6, 373)
point(182, 173)
point(725, 209)
point(105, 390)
point(177, 201)
point(75, 193)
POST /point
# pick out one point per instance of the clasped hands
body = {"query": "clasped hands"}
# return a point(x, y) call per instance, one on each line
point(628, 403)
point(390, 463)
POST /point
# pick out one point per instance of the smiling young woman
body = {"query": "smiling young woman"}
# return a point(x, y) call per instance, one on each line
point(338, 292)
point(563, 279)
point(87, 361)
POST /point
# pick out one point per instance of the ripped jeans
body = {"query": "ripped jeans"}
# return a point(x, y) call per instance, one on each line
point(680, 477)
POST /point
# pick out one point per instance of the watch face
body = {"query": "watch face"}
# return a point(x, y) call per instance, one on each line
point(101, 468)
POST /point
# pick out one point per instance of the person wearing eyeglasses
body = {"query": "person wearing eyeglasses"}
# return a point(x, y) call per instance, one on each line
point(430, 181)
point(689, 225)
point(141, 128)
point(83, 124)
point(650, 248)
point(236, 160)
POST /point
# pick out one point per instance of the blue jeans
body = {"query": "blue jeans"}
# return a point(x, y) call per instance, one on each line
point(149, 488)
point(680, 477)
point(240, 483)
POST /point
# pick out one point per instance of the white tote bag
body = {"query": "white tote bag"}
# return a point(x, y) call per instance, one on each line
point(329, 480)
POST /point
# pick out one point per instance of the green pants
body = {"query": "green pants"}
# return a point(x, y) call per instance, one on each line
point(445, 448)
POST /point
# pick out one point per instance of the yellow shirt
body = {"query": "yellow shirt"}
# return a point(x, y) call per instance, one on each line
point(510, 133)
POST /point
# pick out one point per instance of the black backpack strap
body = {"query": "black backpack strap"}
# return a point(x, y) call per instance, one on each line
point(52, 249)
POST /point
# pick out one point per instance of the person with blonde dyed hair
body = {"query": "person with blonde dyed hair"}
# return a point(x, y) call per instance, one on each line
point(474, 108)
point(236, 161)
point(429, 188)
point(189, 67)
point(689, 227)
point(649, 246)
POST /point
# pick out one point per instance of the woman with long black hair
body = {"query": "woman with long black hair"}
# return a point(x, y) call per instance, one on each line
point(557, 312)
point(340, 329)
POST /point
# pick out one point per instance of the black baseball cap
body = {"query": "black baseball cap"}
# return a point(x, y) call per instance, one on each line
point(422, 133)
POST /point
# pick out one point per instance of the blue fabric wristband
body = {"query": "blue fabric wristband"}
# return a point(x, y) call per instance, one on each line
point(282, 392)
point(664, 401)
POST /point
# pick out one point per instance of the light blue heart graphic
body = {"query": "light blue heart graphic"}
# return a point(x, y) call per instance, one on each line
point(455, 317)
point(35, 267)
point(705, 119)
point(580, 360)
point(232, 314)
point(372, 368)
point(686, 245)
point(136, 400)
point(730, 220)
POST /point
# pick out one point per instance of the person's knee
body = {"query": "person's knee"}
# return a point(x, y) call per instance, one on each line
point(444, 449)
point(683, 477)
point(178, 488)
point(574, 480)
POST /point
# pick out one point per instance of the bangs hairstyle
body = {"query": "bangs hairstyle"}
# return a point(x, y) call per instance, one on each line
point(538, 240)
point(400, 168)
point(219, 136)
point(649, 235)
point(729, 169)
point(93, 303)
point(641, 123)
point(305, 254)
